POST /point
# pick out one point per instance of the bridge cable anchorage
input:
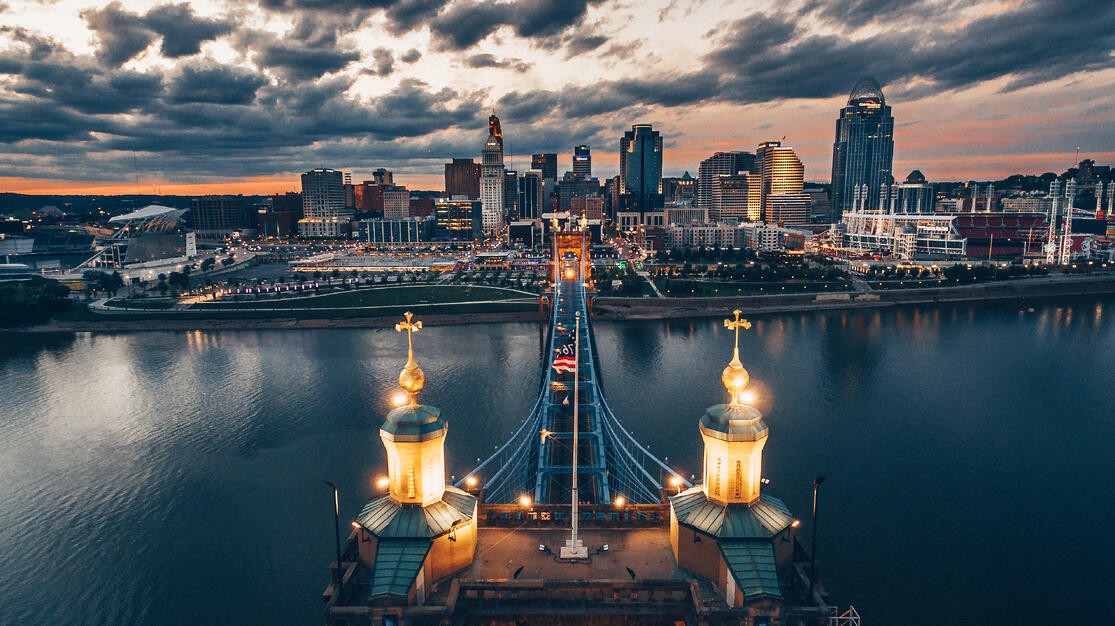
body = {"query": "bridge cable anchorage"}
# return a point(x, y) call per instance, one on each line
point(584, 453)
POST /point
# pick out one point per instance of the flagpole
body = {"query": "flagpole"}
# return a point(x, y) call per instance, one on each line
point(576, 417)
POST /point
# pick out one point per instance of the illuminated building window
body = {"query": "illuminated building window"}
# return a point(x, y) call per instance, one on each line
point(410, 479)
point(739, 479)
point(716, 479)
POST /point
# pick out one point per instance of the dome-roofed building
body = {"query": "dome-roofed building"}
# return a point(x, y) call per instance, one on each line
point(724, 529)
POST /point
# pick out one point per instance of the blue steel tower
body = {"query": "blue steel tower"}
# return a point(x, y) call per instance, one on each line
point(863, 152)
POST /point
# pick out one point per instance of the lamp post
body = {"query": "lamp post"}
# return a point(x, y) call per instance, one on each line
point(337, 532)
point(813, 548)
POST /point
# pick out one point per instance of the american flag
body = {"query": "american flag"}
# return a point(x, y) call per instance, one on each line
point(565, 359)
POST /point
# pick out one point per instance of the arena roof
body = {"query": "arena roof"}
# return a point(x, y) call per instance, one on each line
point(146, 213)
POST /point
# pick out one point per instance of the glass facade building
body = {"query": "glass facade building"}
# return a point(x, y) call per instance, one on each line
point(640, 169)
point(863, 153)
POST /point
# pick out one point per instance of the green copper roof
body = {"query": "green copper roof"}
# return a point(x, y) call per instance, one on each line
point(753, 567)
point(761, 520)
point(420, 423)
point(733, 423)
point(397, 565)
point(385, 518)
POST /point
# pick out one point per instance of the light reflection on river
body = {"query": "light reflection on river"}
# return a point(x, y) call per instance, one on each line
point(175, 478)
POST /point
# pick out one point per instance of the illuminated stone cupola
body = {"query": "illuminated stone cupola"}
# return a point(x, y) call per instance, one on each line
point(734, 435)
point(414, 436)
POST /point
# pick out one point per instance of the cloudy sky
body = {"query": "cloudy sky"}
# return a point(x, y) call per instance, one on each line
point(235, 96)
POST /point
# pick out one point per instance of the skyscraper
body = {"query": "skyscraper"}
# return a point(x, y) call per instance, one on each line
point(582, 162)
point(781, 198)
point(720, 163)
point(323, 204)
point(863, 152)
point(492, 179)
point(462, 178)
point(640, 169)
point(530, 195)
point(545, 163)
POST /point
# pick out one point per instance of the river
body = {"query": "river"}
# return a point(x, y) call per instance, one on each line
point(176, 477)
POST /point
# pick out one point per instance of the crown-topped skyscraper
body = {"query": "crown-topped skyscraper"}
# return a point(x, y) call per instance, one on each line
point(423, 530)
point(725, 529)
point(863, 152)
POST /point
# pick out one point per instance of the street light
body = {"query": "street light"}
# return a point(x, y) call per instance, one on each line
point(813, 548)
point(337, 531)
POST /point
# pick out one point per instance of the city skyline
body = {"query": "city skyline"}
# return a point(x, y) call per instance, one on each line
point(222, 97)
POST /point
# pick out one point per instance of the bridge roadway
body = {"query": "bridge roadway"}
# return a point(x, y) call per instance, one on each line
point(537, 460)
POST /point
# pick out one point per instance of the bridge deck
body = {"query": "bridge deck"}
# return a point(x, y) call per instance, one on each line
point(537, 460)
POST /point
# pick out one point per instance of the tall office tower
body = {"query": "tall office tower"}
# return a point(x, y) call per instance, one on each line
point(731, 196)
point(720, 163)
point(383, 176)
point(863, 152)
point(396, 202)
point(781, 198)
point(492, 179)
point(323, 204)
point(218, 217)
point(573, 186)
point(462, 178)
point(545, 163)
point(640, 169)
point(582, 162)
point(530, 195)
point(510, 195)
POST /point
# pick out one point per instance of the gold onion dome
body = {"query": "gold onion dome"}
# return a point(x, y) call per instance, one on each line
point(412, 379)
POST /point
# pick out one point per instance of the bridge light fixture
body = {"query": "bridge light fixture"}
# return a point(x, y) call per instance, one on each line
point(470, 481)
point(383, 482)
point(524, 500)
point(620, 501)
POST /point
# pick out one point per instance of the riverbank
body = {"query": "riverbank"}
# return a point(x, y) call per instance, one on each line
point(1028, 288)
point(602, 308)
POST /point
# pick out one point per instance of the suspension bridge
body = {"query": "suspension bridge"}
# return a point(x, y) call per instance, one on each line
point(537, 463)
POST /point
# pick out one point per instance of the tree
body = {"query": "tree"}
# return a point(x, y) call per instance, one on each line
point(31, 301)
point(208, 264)
point(229, 260)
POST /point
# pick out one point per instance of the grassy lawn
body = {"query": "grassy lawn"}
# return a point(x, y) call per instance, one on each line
point(699, 288)
point(412, 296)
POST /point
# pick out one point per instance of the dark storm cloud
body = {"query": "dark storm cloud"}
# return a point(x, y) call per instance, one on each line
point(21, 121)
point(770, 57)
point(582, 45)
point(215, 84)
point(42, 69)
point(183, 32)
point(489, 60)
point(465, 24)
point(383, 62)
point(121, 35)
point(305, 63)
point(401, 14)
point(410, 56)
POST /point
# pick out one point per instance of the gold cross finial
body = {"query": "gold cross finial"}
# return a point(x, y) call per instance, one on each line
point(411, 328)
point(412, 379)
point(737, 324)
point(734, 377)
